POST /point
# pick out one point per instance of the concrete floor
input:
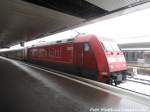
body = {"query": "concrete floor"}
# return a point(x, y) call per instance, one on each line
point(26, 89)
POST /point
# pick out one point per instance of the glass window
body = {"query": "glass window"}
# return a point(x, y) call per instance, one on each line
point(86, 47)
point(110, 46)
point(107, 46)
point(115, 46)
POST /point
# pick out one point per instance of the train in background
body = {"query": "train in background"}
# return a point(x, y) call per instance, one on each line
point(136, 53)
point(87, 55)
point(139, 56)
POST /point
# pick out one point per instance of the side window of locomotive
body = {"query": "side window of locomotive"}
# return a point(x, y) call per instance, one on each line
point(86, 47)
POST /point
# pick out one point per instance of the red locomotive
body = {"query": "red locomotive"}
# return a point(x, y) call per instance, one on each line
point(92, 57)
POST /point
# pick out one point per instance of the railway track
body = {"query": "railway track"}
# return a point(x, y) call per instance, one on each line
point(142, 93)
point(136, 85)
point(138, 80)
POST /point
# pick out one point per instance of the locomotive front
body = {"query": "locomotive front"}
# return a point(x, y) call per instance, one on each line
point(116, 61)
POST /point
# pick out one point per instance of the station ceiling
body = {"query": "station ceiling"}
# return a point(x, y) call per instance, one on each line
point(24, 20)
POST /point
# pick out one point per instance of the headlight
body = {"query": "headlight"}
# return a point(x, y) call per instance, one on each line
point(122, 59)
point(124, 65)
point(111, 67)
point(111, 59)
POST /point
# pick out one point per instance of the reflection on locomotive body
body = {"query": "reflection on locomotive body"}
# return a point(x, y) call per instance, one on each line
point(86, 55)
point(137, 56)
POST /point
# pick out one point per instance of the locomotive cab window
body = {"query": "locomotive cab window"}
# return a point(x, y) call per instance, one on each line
point(86, 47)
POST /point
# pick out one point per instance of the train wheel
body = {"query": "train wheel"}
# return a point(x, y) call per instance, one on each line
point(113, 82)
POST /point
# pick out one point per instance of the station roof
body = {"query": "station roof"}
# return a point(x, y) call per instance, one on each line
point(24, 20)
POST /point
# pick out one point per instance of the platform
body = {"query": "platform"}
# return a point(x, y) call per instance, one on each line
point(27, 89)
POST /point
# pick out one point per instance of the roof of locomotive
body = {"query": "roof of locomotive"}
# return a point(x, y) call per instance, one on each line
point(52, 43)
point(68, 40)
point(84, 38)
point(76, 39)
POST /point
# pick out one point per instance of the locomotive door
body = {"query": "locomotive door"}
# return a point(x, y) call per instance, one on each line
point(79, 54)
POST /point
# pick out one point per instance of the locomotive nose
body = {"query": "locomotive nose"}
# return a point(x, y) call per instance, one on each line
point(116, 61)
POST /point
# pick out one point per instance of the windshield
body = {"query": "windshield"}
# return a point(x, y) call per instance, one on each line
point(110, 46)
